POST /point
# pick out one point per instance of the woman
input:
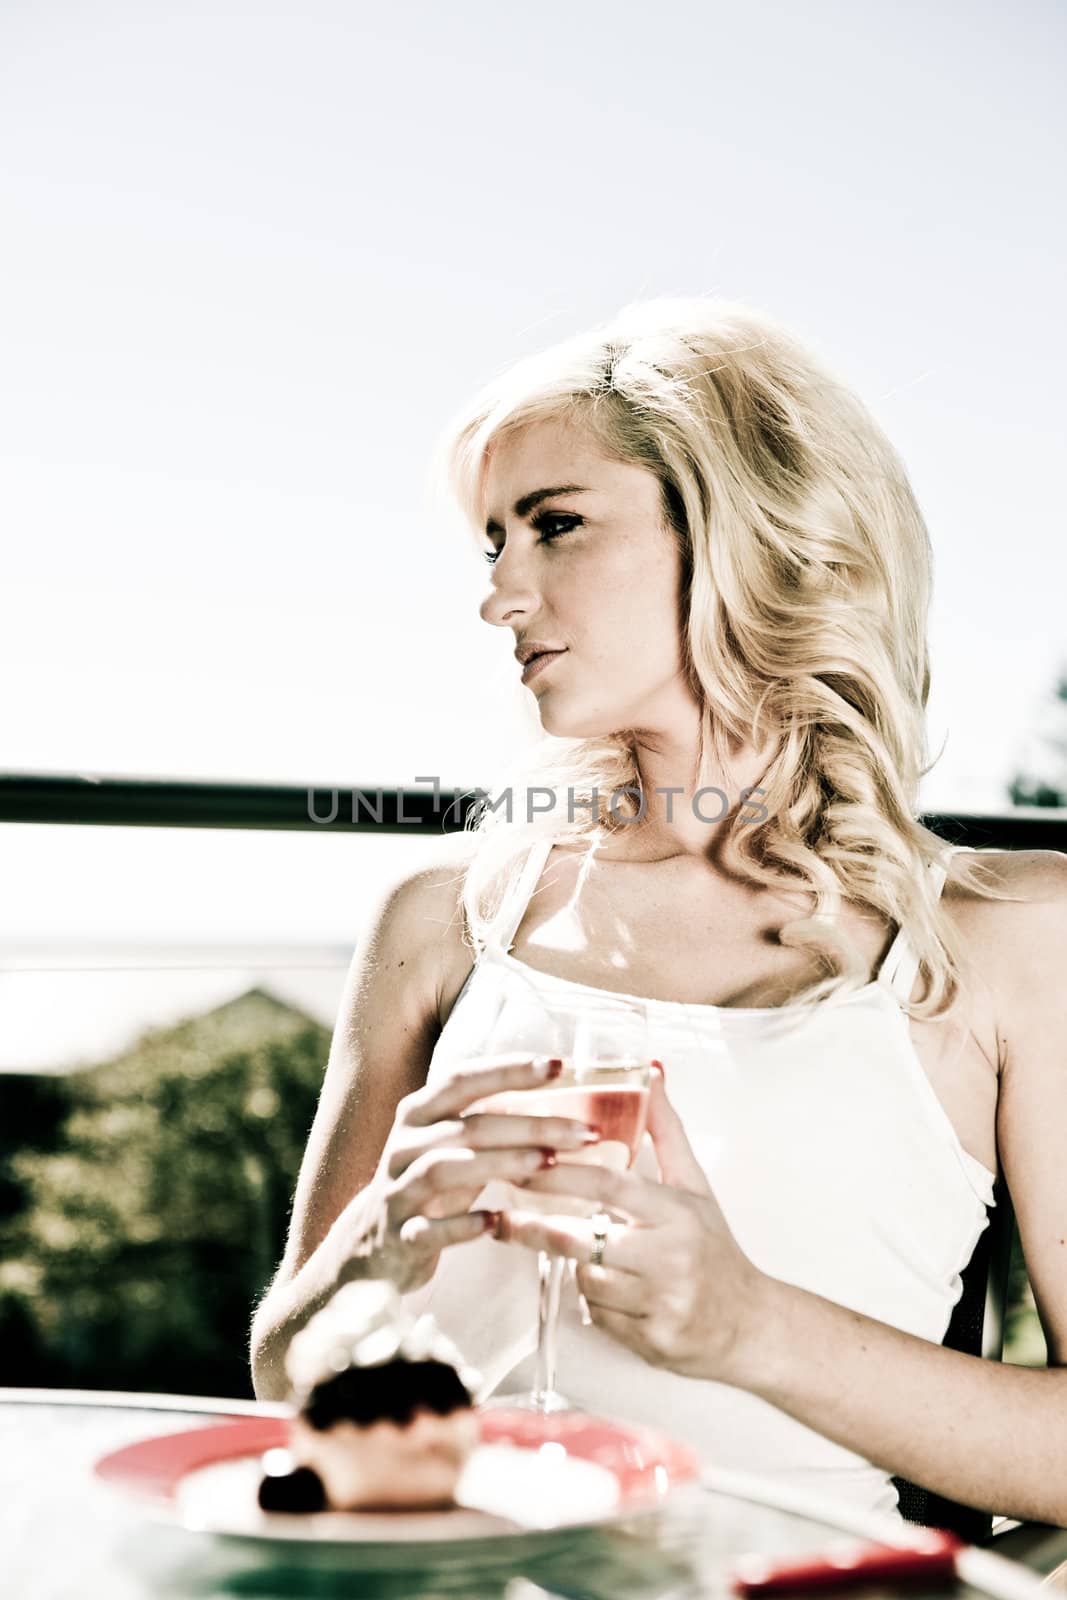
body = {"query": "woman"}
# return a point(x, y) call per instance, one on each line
point(714, 571)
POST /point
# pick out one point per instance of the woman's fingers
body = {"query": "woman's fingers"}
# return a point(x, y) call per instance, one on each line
point(638, 1198)
point(437, 1172)
point(678, 1165)
point(611, 1289)
point(571, 1237)
point(484, 1131)
point(628, 1330)
point(475, 1083)
point(433, 1234)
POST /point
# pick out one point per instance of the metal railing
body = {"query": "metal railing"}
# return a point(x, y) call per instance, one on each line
point(93, 800)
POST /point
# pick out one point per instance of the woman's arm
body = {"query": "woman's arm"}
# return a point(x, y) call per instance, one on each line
point(975, 1431)
point(985, 1434)
point(681, 1293)
point(387, 1025)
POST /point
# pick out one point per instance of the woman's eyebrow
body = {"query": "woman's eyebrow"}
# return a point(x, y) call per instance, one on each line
point(529, 502)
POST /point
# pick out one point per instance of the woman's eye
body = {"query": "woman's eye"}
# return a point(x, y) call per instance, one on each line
point(543, 522)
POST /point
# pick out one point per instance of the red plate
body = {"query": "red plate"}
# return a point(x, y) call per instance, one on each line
point(529, 1474)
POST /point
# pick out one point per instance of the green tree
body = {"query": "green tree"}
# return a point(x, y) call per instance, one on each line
point(154, 1227)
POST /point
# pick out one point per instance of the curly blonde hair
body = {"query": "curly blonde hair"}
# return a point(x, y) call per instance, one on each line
point(807, 583)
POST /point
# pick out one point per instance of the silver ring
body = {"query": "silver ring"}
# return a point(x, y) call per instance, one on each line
point(601, 1224)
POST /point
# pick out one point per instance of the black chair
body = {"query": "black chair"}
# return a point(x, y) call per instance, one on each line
point(976, 1328)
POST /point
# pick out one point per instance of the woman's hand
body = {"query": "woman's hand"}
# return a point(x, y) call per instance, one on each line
point(438, 1158)
point(674, 1284)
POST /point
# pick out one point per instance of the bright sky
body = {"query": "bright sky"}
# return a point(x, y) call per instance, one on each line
point(255, 256)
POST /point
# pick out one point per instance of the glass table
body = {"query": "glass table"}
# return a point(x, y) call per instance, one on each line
point(63, 1534)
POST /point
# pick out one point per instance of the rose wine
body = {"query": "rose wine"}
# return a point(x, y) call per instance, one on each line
point(602, 1098)
point(605, 1053)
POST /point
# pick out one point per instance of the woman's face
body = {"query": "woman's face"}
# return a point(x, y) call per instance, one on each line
point(590, 570)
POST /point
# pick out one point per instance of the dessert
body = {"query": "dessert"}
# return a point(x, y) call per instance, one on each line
point(385, 1416)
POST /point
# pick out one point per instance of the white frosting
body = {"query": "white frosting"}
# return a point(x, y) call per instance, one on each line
point(366, 1324)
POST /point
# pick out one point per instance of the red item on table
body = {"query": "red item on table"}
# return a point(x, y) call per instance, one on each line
point(927, 1557)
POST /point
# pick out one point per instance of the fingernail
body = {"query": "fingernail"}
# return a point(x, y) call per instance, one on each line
point(590, 1136)
point(555, 1067)
point(659, 1068)
point(548, 1066)
point(492, 1221)
point(548, 1159)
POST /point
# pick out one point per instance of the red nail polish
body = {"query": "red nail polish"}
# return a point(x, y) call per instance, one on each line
point(492, 1222)
point(548, 1159)
point(659, 1068)
point(555, 1067)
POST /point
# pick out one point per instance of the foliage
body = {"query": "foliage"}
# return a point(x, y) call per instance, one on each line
point(1024, 1340)
point(156, 1218)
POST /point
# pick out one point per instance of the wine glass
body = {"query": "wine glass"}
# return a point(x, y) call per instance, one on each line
point(605, 1049)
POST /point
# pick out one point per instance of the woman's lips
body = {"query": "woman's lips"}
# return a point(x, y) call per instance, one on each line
point(539, 663)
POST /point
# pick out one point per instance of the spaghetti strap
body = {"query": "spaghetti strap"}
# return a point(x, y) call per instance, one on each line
point(897, 972)
point(515, 903)
point(901, 965)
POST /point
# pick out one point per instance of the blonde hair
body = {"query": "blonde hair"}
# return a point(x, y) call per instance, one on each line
point(808, 574)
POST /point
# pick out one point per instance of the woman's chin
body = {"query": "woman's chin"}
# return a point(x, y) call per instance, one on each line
point(562, 724)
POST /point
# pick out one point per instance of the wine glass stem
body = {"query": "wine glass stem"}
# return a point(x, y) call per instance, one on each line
point(550, 1269)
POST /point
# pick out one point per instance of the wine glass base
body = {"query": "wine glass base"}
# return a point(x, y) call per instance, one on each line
point(540, 1402)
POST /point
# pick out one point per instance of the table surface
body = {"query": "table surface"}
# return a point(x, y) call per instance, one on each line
point(63, 1534)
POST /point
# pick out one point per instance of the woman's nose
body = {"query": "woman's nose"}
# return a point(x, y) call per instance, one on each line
point(510, 594)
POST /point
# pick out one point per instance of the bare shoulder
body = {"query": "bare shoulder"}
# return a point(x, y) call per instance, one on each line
point(422, 896)
point(395, 974)
point(421, 916)
point(1031, 929)
point(1040, 873)
point(1034, 878)
point(1018, 944)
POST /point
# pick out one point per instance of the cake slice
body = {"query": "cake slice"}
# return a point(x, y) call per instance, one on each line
point(385, 1416)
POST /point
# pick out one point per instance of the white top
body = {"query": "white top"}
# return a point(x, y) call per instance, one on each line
point(835, 1165)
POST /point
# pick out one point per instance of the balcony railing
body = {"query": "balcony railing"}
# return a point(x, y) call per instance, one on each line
point(91, 800)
